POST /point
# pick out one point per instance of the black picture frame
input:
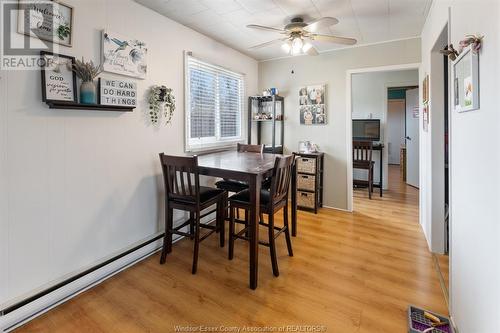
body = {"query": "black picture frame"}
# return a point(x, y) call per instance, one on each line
point(44, 81)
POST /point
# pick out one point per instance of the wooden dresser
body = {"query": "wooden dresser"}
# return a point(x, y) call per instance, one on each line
point(308, 181)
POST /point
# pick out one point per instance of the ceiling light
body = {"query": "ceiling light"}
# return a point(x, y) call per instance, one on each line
point(297, 44)
point(306, 47)
point(287, 47)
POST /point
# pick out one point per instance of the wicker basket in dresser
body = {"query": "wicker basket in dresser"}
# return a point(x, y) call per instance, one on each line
point(308, 181)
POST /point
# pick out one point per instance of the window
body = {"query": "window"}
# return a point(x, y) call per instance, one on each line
point(214, 105)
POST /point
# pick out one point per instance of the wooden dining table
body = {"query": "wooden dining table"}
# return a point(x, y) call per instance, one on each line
point(251, 168)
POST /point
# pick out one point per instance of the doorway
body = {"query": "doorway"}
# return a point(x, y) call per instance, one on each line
point(378, 96)
point(439, 224)
point(402, 133)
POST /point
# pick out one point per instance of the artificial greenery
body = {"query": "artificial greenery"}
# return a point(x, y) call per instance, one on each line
point(86, 71)
point(161, 96)
point(63, 31)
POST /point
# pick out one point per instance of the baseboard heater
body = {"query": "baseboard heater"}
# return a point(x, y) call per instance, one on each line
point(38, 295)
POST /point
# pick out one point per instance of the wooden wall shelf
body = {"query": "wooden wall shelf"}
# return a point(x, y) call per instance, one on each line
point(92, 107)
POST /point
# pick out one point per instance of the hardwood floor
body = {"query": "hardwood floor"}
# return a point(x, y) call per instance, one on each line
point(351, 273)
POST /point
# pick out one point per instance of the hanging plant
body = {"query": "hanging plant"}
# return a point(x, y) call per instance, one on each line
point(161, 97)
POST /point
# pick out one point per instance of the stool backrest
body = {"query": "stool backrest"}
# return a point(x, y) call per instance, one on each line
point(362, 151)
point(282, 174)
point(250, 148)
point(181, 177)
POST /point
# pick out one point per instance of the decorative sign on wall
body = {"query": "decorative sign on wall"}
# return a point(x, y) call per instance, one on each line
point(312, 105)
point(46, 20)
point(58, 78)
point(466, 81)
point(124, 56)
point(117, 92)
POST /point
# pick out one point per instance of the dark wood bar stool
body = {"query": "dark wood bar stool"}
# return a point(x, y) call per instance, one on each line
point(362, 159)
point(183, 192)
point(272, 201)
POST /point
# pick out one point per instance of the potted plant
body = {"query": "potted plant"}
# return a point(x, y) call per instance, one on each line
point(87, 72)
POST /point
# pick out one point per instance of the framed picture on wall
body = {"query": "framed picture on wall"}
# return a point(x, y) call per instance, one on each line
point(50, 21)
point(58, 78)
point(124, 56)
point(465, 71)
point(312, 105)
point(425, 89)
point(425, 117)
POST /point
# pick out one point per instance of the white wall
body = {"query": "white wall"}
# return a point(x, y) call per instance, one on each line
point(369, 99)
point(475, 199)
point(76, 186)
point(329, 68)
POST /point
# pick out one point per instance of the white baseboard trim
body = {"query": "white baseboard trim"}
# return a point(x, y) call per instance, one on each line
point(335, 208)
point(38, 307)
point(45, 303)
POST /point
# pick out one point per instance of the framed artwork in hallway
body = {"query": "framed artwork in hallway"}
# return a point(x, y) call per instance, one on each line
point(466, 81)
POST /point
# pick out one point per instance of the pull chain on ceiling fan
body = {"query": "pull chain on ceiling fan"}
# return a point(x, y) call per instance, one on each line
point(299, 34)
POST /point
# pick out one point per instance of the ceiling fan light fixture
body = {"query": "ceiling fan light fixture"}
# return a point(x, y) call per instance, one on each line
point(306, 47)
point(300, 35)
point(297, 45)
point(287, 47)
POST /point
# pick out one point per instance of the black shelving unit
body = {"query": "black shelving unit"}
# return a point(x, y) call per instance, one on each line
point(263, 110)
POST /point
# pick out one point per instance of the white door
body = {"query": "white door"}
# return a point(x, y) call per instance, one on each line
point(395, 129)
point(412, 122)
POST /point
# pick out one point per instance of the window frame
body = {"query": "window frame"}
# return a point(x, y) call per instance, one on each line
point(215, 142)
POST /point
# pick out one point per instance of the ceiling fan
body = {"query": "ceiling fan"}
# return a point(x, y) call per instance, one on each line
point(299, 33)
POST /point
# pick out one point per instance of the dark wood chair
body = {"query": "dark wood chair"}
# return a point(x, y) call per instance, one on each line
point(183, 192)
point(271, 201)
point(236, 186)
point(362, 159)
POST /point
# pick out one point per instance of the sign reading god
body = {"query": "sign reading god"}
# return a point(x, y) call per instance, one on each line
point(118, 92)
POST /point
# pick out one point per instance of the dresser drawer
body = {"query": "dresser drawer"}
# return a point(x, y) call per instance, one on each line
point(306, 182)
point(305, 199)
point(305, 164)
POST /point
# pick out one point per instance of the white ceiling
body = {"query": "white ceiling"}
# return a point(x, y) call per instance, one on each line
point(369, 21)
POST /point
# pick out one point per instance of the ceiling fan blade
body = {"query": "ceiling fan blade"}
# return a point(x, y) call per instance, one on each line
point(261, 27)
point(258, 46)
point(312, 51)
point(320, 23)
point(334, 39)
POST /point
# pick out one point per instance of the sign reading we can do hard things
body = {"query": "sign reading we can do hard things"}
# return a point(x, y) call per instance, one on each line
point(118, 92)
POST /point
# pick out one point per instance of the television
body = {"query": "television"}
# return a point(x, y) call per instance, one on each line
point(366, 129)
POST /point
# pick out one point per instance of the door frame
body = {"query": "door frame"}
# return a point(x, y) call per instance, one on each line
point(349, 73)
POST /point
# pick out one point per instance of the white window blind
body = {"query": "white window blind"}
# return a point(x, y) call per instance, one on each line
point(214, 105)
